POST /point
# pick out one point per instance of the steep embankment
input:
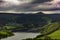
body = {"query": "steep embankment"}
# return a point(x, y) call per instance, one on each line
point(51, 31)
point(55, 35)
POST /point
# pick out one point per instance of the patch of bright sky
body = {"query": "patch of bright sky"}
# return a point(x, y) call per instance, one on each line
point(9, 3)
point(19, 2)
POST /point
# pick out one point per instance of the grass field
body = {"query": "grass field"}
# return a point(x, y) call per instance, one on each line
point(55, 35)
point(53, 32)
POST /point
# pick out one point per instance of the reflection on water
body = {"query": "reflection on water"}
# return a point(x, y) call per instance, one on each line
point(20, 36)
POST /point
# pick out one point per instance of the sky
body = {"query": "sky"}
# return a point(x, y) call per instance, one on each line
point(46, 6)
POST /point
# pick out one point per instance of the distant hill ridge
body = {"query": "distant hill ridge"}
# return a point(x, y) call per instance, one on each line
point(21, 18)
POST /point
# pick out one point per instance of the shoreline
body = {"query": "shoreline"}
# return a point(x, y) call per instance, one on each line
point(26, 32)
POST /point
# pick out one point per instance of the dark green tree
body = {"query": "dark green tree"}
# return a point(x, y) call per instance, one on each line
point(5, 34)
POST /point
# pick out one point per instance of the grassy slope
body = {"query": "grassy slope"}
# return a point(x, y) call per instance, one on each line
point(55, 35)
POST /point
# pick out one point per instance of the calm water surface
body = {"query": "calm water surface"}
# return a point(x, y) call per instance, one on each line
point(20, 36)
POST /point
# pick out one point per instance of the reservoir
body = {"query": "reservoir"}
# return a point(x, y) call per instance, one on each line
point(22, 35)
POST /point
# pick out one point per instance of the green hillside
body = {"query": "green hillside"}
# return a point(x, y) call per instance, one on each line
point(55, 35)
point(50, 31)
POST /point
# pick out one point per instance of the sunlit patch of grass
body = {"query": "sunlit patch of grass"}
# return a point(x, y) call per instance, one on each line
point(55, 35)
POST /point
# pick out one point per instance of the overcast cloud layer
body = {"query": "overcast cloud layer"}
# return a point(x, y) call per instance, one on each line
point(29, 5)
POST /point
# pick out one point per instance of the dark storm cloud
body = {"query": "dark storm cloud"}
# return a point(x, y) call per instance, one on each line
point(40, 1)
point(25, 7)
